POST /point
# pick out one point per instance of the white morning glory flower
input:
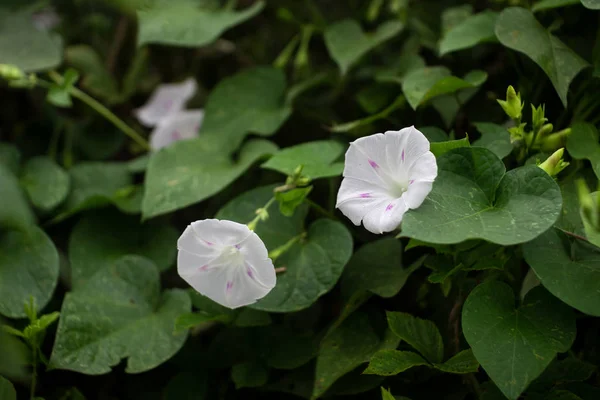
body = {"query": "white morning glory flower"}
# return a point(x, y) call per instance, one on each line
point(385, 175)
point(226, 262)
point(166, 100)
point(180, 126)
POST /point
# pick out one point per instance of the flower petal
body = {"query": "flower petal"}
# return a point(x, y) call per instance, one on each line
point(424, 168)
point(244, 288)
point(416, 193)
point(191, 242)
point(385, 217)
point(357, 197)
point(210, 282)
point(221, 232)
point(259, 266)
point(366, 160)
point(166, 100)
point(403, 148)
point(182, 125)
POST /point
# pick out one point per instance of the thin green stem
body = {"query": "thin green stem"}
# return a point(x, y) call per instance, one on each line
point(319, 209)
point(260, 214)
point(105, 112)
point(278, 252)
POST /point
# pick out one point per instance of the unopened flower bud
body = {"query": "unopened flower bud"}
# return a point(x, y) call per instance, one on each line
point(555, 140)
point(11, 72)
point(554, 164)
point(512, 106)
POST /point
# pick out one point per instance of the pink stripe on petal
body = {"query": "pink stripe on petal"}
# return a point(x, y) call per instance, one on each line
point(402, 155)
point(411, 181)
point(207, 242)
point(389, 207)
point(237, 246)
point(365, 195)
point(175, 135)
point(373, 164)
point(249, 272)
point(203, 268)
point(229, 286)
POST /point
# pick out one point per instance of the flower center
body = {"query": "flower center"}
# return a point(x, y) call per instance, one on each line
point(231, 255)
point(398, 189)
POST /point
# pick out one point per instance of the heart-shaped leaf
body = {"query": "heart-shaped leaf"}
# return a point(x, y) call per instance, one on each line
point(185, 23)
point(277, 230)
point(313, 267)
point(347, 43)
point(517, 29)
point(317, 158)
point(15, 212)
point(384, 276)
point(424, 84)
point(584, 143)
point(7, 390)
point(571, 275)
point(186, 173)
point(514, 346)
point(474, 198)
point(473, 30)
point(252, 101)
point(25, 46)
point(98, 240)
point(28, 268)
point(46, 183)
point(392, 362)
point(494, 137)
point(118, 313)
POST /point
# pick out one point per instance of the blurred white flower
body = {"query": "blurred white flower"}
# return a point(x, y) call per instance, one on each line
point(225, 261)
point(167, 100)
point(180, 126)
point(385, 175)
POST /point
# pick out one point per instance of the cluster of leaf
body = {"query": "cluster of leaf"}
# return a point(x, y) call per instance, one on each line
point(491, 290)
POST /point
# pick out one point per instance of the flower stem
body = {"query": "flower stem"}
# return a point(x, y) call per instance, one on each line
point(274, 254)
point(261, 214)
point(320, 209)
point(102, 110)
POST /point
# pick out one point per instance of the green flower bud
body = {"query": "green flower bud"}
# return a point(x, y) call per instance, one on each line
point(555, 140)
point(538, 118)
point(512, 106)
point(11, 72)
point(554, 164)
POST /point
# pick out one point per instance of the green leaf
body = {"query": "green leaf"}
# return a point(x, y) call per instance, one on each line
point(377, 267)
point(514, 346)
point(7, 390)
point(350, 345)
point(249, 375)
point(313, 267)
point(571, 273)
point(96, 185)
point(15, 212)
point(317, 158)
point(59, 96)
point(40, 325)
point(25, 46)
point(439, 148)
point(185, 173)
point(347, 43)
point(517, 29)
point(393, 362)
point(592, 232)
point(473, 198)
point(584, 143)
point(184, 23)
point(473, 30)
point(28, 268)
point(463, 362)
point(247, 317)
point(421, 334)
point(494, 137)
point(591, 4)
point(550, 4)
point(386, 395)
point(434, 134)
point(570, 369)
point(252, 101)
point(191, 320)
point(424, 84)
point(277, 230)
point(101, 238)
point(14, 352)
point(45, 182)
point(292, 199)
point(118, 313)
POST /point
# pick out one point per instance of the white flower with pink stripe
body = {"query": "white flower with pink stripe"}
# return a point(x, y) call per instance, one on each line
point(385, 175)
point(226, 262)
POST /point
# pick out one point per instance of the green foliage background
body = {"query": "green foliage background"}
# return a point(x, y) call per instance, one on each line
point(489, 290)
